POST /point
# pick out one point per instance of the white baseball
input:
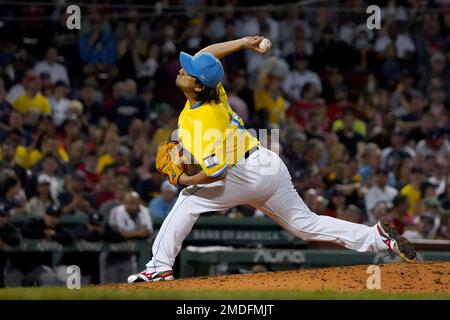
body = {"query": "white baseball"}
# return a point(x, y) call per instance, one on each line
point(265, 44)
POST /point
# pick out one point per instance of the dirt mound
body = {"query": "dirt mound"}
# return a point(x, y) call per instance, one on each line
point(418, 277)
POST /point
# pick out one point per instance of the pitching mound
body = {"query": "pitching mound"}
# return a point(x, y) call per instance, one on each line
point(418, 277)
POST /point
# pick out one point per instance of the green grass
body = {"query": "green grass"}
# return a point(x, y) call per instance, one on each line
point(102, 293)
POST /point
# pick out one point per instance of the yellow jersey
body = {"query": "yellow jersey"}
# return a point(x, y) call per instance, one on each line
point(36, 155)
point(214, 135)
point(20, 156)
point(24, 103)
point(103, 161)
point(413, 195)
point(274, 107)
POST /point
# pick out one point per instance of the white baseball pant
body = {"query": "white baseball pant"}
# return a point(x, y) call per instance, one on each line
point(264, 182)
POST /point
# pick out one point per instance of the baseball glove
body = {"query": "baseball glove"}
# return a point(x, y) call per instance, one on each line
point(169, 162)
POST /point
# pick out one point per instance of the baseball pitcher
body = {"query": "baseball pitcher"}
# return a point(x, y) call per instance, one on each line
point(236, 170)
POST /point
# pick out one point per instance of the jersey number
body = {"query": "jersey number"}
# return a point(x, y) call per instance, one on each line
point(236, 121)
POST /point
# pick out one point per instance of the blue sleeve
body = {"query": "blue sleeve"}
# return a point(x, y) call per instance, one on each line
point(155, 209)
point(109, 54)
point(86, 52)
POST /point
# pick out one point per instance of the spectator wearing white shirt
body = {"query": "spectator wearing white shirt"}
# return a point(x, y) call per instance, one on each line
point(298, 77)
point(131, 221)
point(403, 44)
point(50, 65)
point(378, 193)
point(435, 145)
point(17, 89)
point(59, 103)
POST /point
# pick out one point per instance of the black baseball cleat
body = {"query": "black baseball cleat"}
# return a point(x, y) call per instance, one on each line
point(395, 242)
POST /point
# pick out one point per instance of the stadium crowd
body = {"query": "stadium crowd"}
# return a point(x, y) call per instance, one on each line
point(363, 114)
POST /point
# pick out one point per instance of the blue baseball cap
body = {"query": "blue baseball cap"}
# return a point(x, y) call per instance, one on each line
point(204, 66)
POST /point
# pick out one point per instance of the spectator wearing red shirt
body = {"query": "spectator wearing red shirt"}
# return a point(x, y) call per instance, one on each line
point(299, 111)
point(337, 203)
point(341, 102)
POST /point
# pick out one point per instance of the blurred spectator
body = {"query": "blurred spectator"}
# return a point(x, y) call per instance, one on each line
point(347, 135)
point(105, 190)
point(91, 107)
point(295, 148)
point(347, 118)
point(380, 191)
point(299, 111)
point(371, 161)
point(97, 47)
point(439, 174)
point(46, 146)
point(445, 198)
point(339, 100)
point(412, 190)
point(237, 96)
point(59, 103)
point(351, 213)
point(330, 52)
point(131, 220)
point(380, 210)
point(135, 132)
point(435, 144)
point(35, 269)
point(268, 96)
point(391, 156)
point(120, 189)
point(8, 162)
point(312, 155)
point(92, 231)
point(5, 105)
point(18, 89)
point(50, 65)
point(88, 262)
point(439, 69)
point(127, 107)
point(337, 203)
point(146, 180)
point(51, 168)
point(404, 46)
point(160, 206)
point(301, 75)
point(32, 100)
point(9, 236)
point(12, 196)
point(147, 62)
point(38, 205)
point(423, 230)
point(17, 127)
point(75, 201)
point(167, 73)
point(47, 227)
point(77, 156)
point(399, 213)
